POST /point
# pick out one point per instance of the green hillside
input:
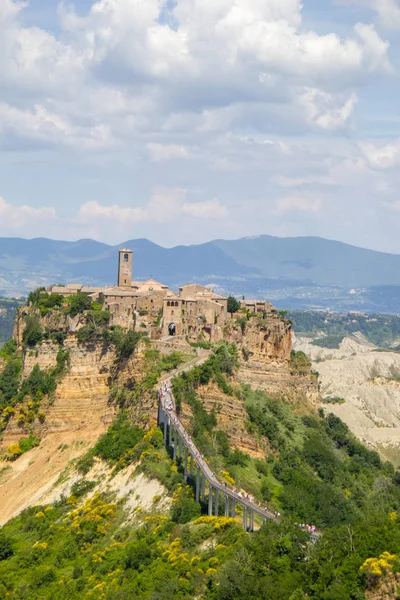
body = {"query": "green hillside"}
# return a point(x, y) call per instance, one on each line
point(382, 330)
point(317, 472)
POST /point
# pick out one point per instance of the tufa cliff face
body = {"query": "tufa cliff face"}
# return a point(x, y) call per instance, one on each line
point(81, 400)
point(54, 322)
point(261, 340)
point(82, 403)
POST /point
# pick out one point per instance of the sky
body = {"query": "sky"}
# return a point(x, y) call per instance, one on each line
point(183, 121)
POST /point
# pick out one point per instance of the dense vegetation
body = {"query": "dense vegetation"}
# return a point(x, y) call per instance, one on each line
point(81, 546)
point(315, 472)
point(382, 330)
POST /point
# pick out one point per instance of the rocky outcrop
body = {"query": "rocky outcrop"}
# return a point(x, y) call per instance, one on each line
point(53, 321)
point(81, 399)
point(277, 380)
point(231, 418)
point(261, 340)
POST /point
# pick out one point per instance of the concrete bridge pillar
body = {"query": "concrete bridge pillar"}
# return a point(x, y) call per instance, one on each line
point(233, 508)
point(216, 504)
point(210, 501)
point(170, 433)
point(251, 520)
point(245, 518)
point(185, 464)
point(227, 506)
point(203, 487)
point(198, 485)
point(191, 464)
point(165, 431)
point(175, 444)
point(180, 446)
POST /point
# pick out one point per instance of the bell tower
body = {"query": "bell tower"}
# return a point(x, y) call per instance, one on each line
point(125, 266)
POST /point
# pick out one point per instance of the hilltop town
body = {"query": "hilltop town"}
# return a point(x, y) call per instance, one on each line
point(196, 313)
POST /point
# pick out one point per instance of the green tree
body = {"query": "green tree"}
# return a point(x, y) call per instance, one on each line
point(6, 548)
point(233, 304)
point(79, 303)
point(33, 333)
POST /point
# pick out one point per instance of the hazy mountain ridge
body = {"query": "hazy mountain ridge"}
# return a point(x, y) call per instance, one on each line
point(304, 272)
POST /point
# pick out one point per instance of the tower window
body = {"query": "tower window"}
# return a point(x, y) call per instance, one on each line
point(126, 259)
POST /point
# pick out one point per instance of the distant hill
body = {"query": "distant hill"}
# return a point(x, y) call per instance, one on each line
point(303, 272)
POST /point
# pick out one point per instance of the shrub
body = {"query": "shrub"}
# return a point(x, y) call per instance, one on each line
point(120, 437)
point(266, 492)
point(184, 507)
point(38, 384)
point(78, 304)
point(126, 344)
point(299, 363)
point(6, 547)
point(33, 333)
point(82, 487)
point(238, 458)
point(9, 382)
point(8, 350)
point(63, 360)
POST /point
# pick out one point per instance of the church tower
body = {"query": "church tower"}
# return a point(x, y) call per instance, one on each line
point(125, 266)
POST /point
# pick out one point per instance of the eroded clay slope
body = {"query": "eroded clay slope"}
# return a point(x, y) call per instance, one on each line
point(369, 382)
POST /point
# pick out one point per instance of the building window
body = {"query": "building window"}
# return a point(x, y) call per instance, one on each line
point(126, 259)
point(176, 303)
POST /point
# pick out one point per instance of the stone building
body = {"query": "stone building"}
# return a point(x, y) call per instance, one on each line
point(197, 313)
point(259, 307)
point(125, 267)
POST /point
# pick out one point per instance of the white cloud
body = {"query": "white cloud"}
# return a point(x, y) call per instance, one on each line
point(16, 217)
point(42, 125)
point(380, 156)
point(165, 206)
point(163, 152)
point(388, 11)
point(121, 69)
point(211, 209)
point(326, 110)
point(298, 203)
point(292, 182)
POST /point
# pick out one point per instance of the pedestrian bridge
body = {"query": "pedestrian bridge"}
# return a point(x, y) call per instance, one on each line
point(196, 467)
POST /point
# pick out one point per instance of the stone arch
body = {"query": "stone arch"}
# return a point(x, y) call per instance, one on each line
point(172, 329)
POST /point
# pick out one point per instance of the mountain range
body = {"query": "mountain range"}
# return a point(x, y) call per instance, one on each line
point(301, 272)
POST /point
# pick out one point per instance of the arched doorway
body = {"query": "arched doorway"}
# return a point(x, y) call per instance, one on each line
point(172, 329)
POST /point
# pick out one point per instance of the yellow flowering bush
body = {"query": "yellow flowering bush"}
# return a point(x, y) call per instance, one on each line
point(228, 478)
point(93, 518)
point(13, 452)
point(217, 522)
point(376, 567)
